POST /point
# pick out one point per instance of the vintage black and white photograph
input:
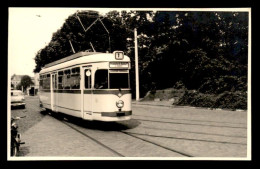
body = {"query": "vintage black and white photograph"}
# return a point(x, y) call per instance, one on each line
point(129, 83)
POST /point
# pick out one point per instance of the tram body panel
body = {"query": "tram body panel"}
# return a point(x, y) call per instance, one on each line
point(87, 100)
point(107, 102)
point(45, 98)
point(69, 103)
point(103, 106)
point(87, 106)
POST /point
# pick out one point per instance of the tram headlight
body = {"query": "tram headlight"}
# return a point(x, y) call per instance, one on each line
point(120, 104)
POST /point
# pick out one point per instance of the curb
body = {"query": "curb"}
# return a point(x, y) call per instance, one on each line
point(176, 106)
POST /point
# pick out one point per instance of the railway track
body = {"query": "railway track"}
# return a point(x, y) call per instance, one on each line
point(193, 132)
point(210, 121)
point(139, 136)
point(180, 138)
point(72, 126)
point(159, 145)
point(195, 124)
point(93, 139)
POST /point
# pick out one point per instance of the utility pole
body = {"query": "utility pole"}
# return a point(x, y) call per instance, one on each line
point(136, 66)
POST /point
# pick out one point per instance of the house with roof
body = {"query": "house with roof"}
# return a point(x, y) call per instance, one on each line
point(15, 80)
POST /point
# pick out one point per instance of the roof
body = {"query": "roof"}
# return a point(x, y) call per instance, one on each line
point(81, 58)
point(74, 56)
point(19, 77)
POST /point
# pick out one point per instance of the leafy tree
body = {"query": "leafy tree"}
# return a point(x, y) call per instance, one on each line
point(206, 51)
point(19, 86)
point(26, 81)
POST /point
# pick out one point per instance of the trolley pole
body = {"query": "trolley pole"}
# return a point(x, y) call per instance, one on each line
point(72, 47)
point(136, 66)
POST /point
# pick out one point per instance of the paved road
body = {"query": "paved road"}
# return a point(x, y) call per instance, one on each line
point(154, 131)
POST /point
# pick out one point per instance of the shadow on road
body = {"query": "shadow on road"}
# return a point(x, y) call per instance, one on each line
point(24, 150)
point(17, 107)
point(98, 125)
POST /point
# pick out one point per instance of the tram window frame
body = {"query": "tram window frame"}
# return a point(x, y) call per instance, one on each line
point(46, 82)
point(104, 85)
point(55, 81)
point(41, 82)
point(66, 75)
point(67, 72)
point(126, 73)
point(69, 79)
point(75, 70)
point(49, 81)
point(75, 75)
point(60, 76)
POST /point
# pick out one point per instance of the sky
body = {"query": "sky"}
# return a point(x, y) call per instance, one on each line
point(31, 29)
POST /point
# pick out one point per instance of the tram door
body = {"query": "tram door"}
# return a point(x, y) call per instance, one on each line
point(87, 94)
point(54, 96)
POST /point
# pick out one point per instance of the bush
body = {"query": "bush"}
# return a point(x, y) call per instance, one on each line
point(194, 98)
point(232, 100)
point(228, 100)
point(223, 83)
point(179, 85)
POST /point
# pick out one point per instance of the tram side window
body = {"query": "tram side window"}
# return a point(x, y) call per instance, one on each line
point(69, 79)
point(41, 81)
point(75, 78)
point(55, 81)
point(101, 79)
point(60, 76)
point(46, 82)
point(87, 79)
point(66, 79)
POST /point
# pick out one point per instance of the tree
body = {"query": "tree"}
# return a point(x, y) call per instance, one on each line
point(19, 86)
point(207, 51)
point(26, 81)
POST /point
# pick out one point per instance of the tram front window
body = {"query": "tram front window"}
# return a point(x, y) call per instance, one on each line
point(119, 80)
point(101, 79)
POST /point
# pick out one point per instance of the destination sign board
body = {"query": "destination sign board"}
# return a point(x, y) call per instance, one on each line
point(118, 64)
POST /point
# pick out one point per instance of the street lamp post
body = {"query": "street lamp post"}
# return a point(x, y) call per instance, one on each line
point(136, 66)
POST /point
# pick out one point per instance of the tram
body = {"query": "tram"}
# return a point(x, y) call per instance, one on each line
point(88, 85)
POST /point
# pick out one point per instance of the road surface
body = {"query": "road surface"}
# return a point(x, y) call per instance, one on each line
point(153, 131)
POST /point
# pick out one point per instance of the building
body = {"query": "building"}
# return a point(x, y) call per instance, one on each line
point(36, 81)
point(33, 89)
point(15, 80)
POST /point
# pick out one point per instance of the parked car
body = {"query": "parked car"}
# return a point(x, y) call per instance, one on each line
point(17, 98)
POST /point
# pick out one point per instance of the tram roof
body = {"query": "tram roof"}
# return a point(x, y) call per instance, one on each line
point(81, 58)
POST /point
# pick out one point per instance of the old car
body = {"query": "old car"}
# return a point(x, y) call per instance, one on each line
point(17, 98)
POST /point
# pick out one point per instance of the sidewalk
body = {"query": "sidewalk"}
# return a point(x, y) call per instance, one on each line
point(53, 138)
point(154, 103)
point(170, 105)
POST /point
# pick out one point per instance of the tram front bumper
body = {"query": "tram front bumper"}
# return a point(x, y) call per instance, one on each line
point(116, 114)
